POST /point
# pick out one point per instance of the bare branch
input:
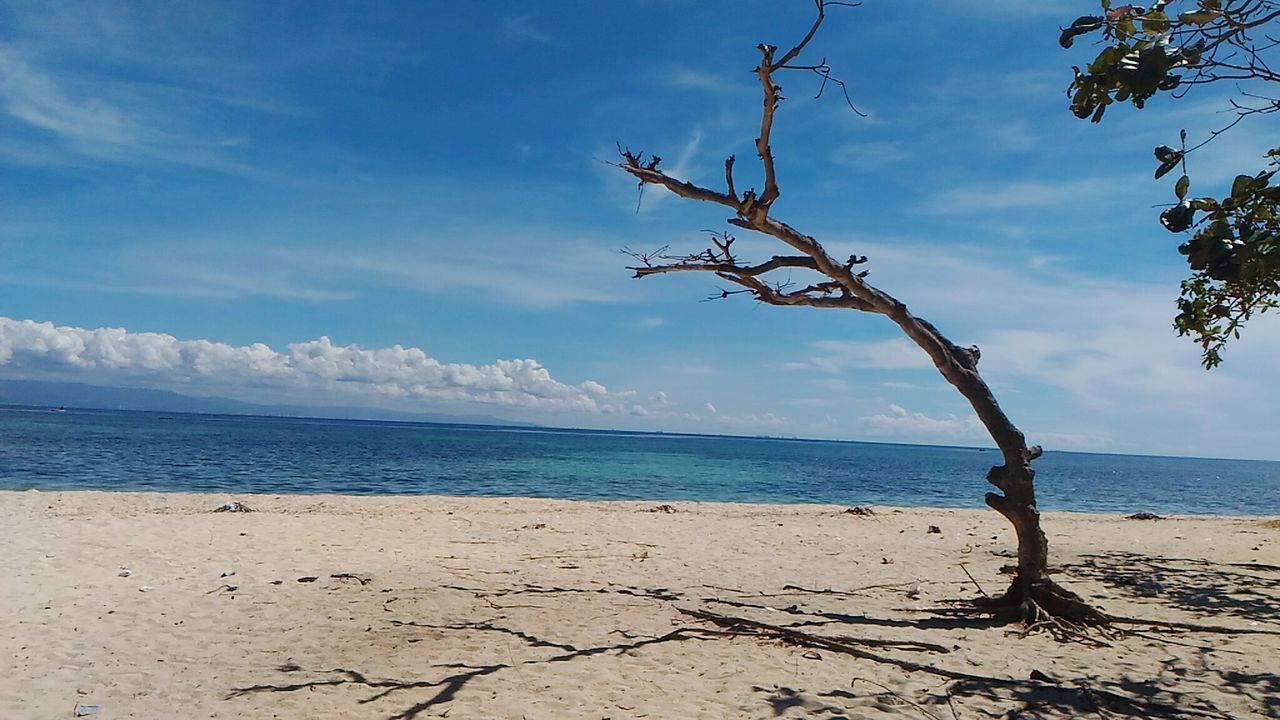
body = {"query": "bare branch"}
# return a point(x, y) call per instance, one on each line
point(648, 172)
point(772, 296)
point(692, 264)
point(771, 96)
point(817, 23)
point(823, 70)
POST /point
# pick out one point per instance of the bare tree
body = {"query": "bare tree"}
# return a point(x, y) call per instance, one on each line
point(1032, 596)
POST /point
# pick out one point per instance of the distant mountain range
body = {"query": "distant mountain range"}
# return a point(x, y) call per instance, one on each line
point(39, 393)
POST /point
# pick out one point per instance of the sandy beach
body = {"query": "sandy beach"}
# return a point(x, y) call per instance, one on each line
point(130, 605)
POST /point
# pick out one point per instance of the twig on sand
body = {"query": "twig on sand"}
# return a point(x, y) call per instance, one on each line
point(351, 576)
point(735, 591)
point(896, 694)
point(854, 591)
point(975, 582)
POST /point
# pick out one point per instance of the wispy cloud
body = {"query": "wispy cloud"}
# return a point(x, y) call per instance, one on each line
point(698, 79)
point(1064, 196)
point(82, 121)
point(872, 155)
point(522, 27)
point(563, 272)
point(834, 356)
point(89, 124)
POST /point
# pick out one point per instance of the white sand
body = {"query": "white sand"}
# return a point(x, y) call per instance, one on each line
point(519, 608)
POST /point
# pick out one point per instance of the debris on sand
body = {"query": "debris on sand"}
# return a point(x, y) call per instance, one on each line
point(1143, 516)
point(350, 576)
point(661, 509)
point(234, 506)
point(860, 511)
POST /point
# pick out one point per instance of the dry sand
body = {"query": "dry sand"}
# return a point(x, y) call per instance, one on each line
point(521, 608)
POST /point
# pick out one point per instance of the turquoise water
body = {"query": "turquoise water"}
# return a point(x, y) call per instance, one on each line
point(234, 454)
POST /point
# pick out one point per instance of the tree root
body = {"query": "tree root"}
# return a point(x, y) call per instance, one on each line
point(1045, 606)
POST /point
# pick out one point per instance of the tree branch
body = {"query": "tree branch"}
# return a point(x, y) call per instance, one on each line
point(650, 174)
point(692, 264)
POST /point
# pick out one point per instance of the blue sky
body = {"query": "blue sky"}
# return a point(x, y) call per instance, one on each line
point(194, 195)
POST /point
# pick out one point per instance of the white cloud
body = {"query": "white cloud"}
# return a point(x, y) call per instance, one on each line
point(900, 423)
point(304, 373)
point(521, 26)
point(564, 271)
point(986, 198)
point(101, 121)
point(35, 99)
point(871, 155)
point(837, 355)
point(696, 79)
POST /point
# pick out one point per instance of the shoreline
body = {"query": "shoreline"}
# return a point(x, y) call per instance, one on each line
point(977, 507)
point(335, 606)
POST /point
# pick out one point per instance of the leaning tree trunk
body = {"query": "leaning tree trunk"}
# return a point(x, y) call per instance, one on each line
point(1015, 479)
point(1032, 596)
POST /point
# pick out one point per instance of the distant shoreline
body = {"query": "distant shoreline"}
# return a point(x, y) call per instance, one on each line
point(219, 497)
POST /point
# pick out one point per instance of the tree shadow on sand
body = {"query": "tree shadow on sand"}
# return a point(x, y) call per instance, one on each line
point(1233, 592)
point(1167, 693)
point(1137, 698)
point(448, 685)
point(1248, 591)
point(451, 684)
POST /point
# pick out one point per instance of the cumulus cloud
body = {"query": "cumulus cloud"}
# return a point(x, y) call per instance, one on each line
point(311, 369)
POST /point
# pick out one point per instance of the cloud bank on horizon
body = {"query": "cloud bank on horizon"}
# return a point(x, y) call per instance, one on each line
point(311, 372)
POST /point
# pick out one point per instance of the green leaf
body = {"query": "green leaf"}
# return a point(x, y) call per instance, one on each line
point(1155, 22)
point(1180, 187)
point(1241, 185)
point(1197, 17)
point(1178, 218)
point(1168, 165)
point(1082, 25)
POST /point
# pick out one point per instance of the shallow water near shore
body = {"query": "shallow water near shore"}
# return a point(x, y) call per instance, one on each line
point(110, 450)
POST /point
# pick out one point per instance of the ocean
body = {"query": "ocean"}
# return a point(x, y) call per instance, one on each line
point(234, 455)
